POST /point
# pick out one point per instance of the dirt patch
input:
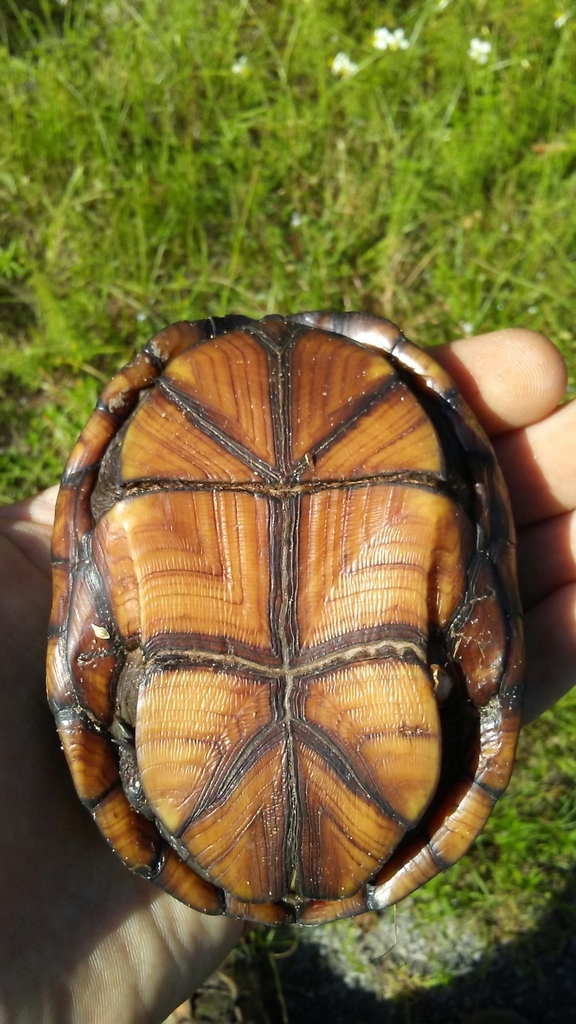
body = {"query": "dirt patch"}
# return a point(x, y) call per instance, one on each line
point(397, 970)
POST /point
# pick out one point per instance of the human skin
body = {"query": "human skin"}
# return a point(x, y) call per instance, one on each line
point(83, 941)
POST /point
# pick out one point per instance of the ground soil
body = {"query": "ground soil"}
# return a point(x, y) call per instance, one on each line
point(393, 970)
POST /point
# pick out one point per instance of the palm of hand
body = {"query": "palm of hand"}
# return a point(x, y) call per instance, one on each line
point(80, 936)
point(82, 939)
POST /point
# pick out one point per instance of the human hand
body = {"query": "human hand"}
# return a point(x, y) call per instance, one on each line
point(82, 940)
point(514, 380)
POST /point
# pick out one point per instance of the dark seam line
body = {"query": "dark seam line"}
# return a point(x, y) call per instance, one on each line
point(158, 363)
point(93, 803)
point(317, 740)
point(342, 657)
point(427, 481)
point(221, 789)
point(492, 792)
point(72, 480)
point(437, 857)
point(75, 712)
point(364, 406)
point(118, 417)
point(195, 413)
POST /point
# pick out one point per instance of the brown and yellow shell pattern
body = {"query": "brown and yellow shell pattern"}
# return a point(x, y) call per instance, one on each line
point(285, 654)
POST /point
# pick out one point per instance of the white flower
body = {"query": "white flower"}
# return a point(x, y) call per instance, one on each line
point(240, 66)
point(467, 328)
point(532, 310)
point(561, 18)
point(295, 219)
point(141, 317)
point(480, 50)
point(383, 39)
point(343, 66)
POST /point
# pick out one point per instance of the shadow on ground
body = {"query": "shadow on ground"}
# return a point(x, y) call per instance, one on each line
point(530, 980)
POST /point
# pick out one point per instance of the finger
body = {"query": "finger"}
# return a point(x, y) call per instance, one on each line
point(550, 651)
point(37, 509)
point(546, 558)
point(157, 956)
point(24, 611)
point(28, 524)
point(539, 464)
point(510, 378)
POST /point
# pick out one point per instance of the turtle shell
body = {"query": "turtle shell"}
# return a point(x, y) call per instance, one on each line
point(285, 655)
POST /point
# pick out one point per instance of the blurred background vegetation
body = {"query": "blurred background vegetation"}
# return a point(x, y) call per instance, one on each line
point(169, 159)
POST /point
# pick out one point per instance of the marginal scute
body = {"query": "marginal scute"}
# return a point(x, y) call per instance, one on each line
point(498, 739)
point(121, 394)
point(134, 838)
point(285, 652)
point(93, 763)
point(61, 584)
point(427, 374)
point(411, 868)
point(274, 915)
point(176, 338)
point(72, 518)
point(458, 822)
point(322, 911)
point(90, 651)
point(477, 640)
point(59, 685)
point(182, 882)
point(92, 442)
point(513, 674)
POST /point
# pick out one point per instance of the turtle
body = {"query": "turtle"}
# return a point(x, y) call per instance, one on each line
point(285, 650)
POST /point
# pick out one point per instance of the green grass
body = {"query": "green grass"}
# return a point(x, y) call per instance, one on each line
point(143, 181)
point(525, 857)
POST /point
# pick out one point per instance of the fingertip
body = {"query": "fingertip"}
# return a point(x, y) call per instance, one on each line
point(37, 509)
point(511, 378)
point(28, 526)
